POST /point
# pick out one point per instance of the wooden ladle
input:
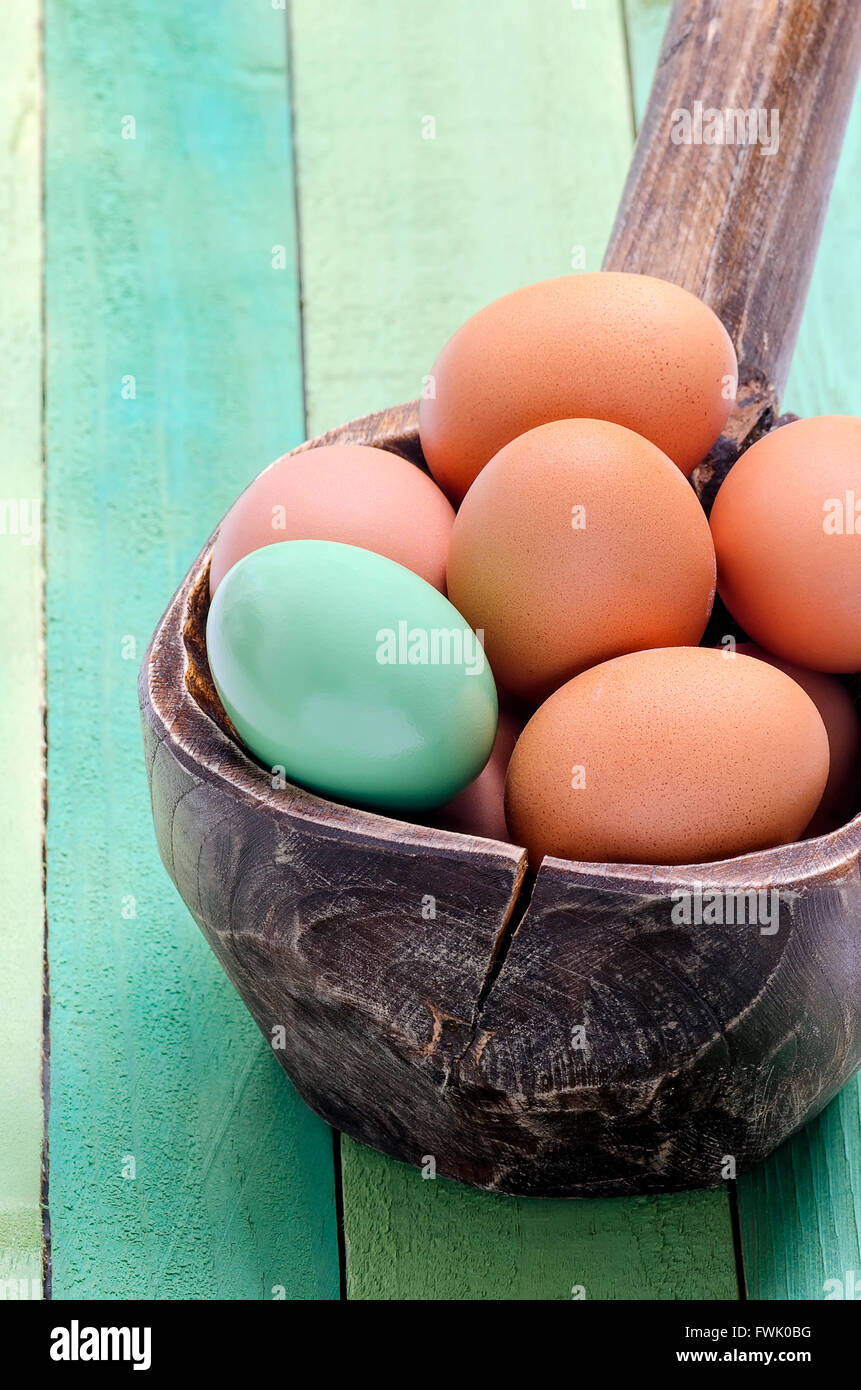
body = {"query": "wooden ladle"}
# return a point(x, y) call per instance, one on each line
point(562, 1035)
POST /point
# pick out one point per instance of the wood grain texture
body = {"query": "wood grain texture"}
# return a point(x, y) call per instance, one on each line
point(183, 1164)
point(21, 685)
point(736, 217)
point(457, 1035)
point(521, 172)
point(800, 1210)
point(191, 748)
point(711, 215)
point(701, 1043)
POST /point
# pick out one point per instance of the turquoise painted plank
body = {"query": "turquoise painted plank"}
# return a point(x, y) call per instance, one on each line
point(800, 1211)
point(446, 154)
point(182, 1162)
point(21, 664)
point(645, 22)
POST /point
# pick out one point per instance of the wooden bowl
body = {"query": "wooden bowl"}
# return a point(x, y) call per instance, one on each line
point(557, 1034)
point(552, 1034)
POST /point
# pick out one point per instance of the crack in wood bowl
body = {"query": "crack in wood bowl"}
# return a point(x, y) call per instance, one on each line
point(426, 993)
point(557, 1034)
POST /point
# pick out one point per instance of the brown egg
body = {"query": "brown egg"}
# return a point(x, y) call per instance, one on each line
point(480, 809)
point(787, 531)
point(610, 346)
point(341, 492)
point(843, 726)
point(579, 541)
point(675, 756)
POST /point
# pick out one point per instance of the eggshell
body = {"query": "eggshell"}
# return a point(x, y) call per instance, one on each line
point(579, 541)
point(632, 349)
point(341, 492)
point(480, 808)
point(843, 726)
point(787, 531)
point(684, 757)
point(352, 674)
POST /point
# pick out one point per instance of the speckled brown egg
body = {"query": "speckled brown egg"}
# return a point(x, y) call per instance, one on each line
point(787, 531)
point(843, 726)
point(350, 493)
point(673, 756)
point(632, 349)
point(579, 541)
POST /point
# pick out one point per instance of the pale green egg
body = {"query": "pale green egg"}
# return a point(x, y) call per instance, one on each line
point(353, 674)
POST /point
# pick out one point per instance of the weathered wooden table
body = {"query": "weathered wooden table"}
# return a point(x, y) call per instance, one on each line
point(256, 225)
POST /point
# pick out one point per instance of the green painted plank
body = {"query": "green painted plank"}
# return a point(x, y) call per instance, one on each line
point(800, 1212)
point(21, 664)
point(159, 268)
point(403, 237)
point(414, 1238)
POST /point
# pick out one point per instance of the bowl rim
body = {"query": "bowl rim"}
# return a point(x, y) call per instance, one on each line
point(208, 746)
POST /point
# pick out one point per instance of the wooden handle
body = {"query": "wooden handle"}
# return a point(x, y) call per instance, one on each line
point(737, 225)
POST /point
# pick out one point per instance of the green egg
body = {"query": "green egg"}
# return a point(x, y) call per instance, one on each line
point(352, 673)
